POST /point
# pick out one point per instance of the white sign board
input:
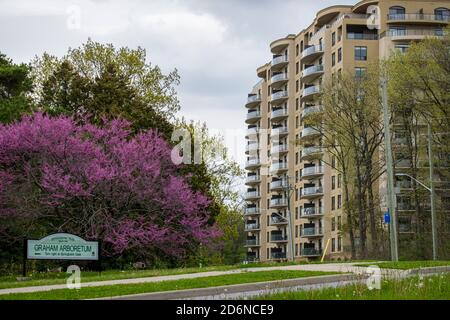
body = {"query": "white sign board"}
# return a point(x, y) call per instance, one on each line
point(62, 246)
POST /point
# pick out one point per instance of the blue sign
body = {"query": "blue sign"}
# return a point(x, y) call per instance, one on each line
point(387, 218)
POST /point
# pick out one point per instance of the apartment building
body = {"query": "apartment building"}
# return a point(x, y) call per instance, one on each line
point(283, 151)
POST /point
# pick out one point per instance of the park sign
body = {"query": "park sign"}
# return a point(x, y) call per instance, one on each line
point(62, 246)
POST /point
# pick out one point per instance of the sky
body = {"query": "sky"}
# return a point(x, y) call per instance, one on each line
point(216, 45)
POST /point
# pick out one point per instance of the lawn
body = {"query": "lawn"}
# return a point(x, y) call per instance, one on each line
point(40, 279)
point(406, 265)
point(428, 288)
point(128, 289)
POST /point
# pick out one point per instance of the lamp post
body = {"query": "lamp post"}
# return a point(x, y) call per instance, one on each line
point(433, 210)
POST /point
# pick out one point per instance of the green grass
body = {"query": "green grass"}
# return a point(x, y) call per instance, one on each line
point(406, 265)
point(128, 289)
point(41, 279)
point(428, 288)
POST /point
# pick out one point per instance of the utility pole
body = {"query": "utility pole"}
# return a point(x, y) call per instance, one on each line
point(289, 218)
point(390, 172)
point(432, 190)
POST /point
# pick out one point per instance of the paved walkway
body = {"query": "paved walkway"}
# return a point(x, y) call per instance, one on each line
point(332, 267)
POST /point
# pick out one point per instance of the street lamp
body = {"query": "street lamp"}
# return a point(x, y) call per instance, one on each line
point(433, 211)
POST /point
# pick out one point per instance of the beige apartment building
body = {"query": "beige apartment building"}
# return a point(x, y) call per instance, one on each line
point(283, 151)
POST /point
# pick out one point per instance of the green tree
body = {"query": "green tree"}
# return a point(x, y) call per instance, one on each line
point(15, 85)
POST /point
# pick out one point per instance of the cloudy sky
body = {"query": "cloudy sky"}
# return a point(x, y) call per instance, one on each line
point(215, 44)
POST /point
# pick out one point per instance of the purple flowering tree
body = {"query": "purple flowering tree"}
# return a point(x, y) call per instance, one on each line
point(98, 182)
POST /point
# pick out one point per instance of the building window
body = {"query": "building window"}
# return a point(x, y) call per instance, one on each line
point(333, 162)
point(339, 248)
point(361, 53)
point(333, 203)
point(402, 47)
point(339, 54)
point(297, 86)
point(339, 180)
point(396, 13)
point(360, 72)
point(333, 245)
point(333, 224)
point(297, 49)
point(442, 14)
point(333, 182)
point(333, 38)
point(339, 201)
point(339, 223)
point(297, 104)
point(297, 68)
point(333, 59)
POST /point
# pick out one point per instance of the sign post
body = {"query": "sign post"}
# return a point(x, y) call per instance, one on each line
point(60, 246)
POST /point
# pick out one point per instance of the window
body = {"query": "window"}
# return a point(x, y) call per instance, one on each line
point(333, 224)
point(333, 162)
point(297, 49)
point(333, 38)
point(360, 72)
point(442, 14)
point(333, 182)
point(333, 203)
point(402, 47)
point(333, 59)
point(333, 245)
point(339, 223)
point(396, 13)
point(339, 180)
point(297, 68)
point(339, 201)
point(297, 86)
point(361, 53)
point(297, 104)
point(339, 54)
point(339, 248)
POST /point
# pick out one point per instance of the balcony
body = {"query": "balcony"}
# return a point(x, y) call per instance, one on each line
point(278, 185)
point(312, 172)
point(279, 80)
point(279, 97)
point(310, 93)
point(362, 36)
point(278, 167)
point(253, 117)
point(253, 101)
point(252, 211)
point(279, 115)
point(312, 192)
point(311, 232)
point(278, 255)
point(312, 212)
point(252, 164)
point(278, 203)
point(309, 132)
point(252, 147)
point(252, 227)
point(279, 62)
point(278, 221)
point(279, 132)
point(277, 238)
point(311, 252)
point(250, 180)
point(418, 18)
point(403, 163)
point(312, 73)
point(308, 111)
point(253, 195)
point(311, 153)
point(279, 149)
point(312, 53)
point(412, 34)
point(252, 243)
point(252, 132)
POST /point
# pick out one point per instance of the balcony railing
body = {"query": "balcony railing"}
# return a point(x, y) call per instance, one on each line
point(254, 98)
point(279, 113)
point(278, 60)
point(313, 231)
point(252, 131)
point(362, 36)
point(278, 255)
point(311, 110)
point(419, 17)
point(279, 131)
point(280, 184)
point(279, 166)
point(253, 242)
point(254, 178)
point(279, 95)
point(312, 50)
point(279, 77)
point(252, 211)
point(276, 220)
point(278, 238)
point(252, 147)
point(311, 70)
point(312, 191)
point(308, 252)
point(306, 132)
point(413, 33)
point(311, 150)
point(278, 202)
point(311, 171)
point(253, 163)
point(279, 148)
point(311, 90)
point(251, 226)
point(252, 195)
point(253, 115)
point(312, 211)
